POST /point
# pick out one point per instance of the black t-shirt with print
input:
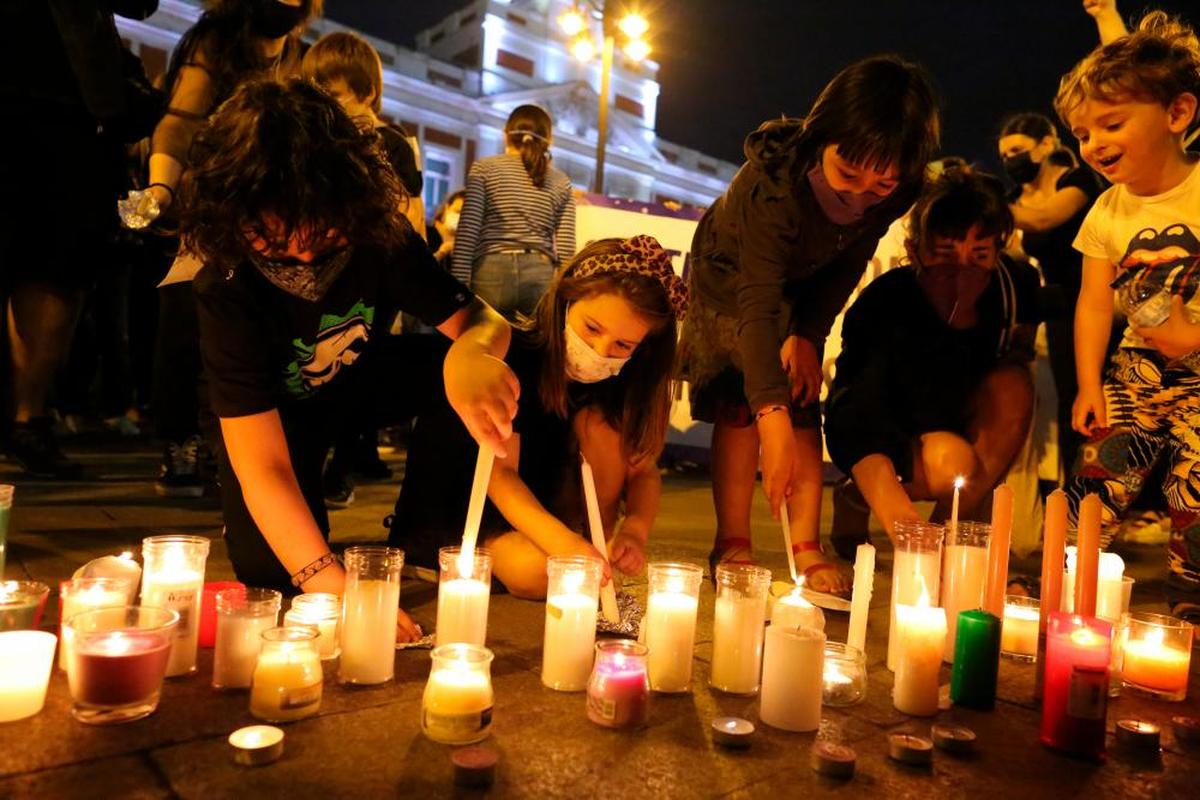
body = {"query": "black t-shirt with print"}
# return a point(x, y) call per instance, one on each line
point(264, 348)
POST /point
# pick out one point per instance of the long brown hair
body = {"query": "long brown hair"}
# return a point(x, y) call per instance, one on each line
point(528, 129)
point(636, 402)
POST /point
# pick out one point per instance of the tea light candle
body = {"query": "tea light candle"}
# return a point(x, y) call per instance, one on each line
point(915, 751)
point(1153, 664)
point(922, 629)
point(256, 745)
point(474, 767)
point(1137, 735)
point(85, 594)
point(956, 739)
point(794, 611)
point(26, 658)
point(1019, 630)
point(793, 665)
point(732, 732)
point(670, 625)
point(833, 760)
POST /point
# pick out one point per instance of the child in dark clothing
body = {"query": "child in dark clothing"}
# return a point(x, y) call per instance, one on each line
point(773, 261)
point(932, 382)
point(294, 213)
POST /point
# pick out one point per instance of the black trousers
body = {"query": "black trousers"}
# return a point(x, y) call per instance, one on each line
point(398, 378)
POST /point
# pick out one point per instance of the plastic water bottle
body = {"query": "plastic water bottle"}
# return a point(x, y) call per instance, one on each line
point(138, 209)
point(1146, 306)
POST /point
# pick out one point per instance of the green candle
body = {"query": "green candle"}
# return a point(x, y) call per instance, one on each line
point(976, 660)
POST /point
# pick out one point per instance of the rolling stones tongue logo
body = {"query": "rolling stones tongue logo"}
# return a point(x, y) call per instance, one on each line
point(1162, 260)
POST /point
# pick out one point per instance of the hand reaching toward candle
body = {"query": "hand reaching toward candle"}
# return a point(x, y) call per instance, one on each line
point(627, 550)
point(406, 629)
point(480, 387)
point(803, 367)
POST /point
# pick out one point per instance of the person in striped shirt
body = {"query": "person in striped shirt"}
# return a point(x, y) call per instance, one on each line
point(518, 218)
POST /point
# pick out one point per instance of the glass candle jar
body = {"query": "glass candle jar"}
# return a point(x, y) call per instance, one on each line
point(618, 694)
point(6, 500)
point(568, 645)
point(964, 575)
point(117, 660)
point(21, 604)
point(1157, 655)
point(464, 588)
point(87, 594)
point(457, 705)
point(322, 610)
point(844, 680)
point(207, 636)
point(287, 676)
point(740, 608)
point(242, 617)
point(369, 611)
point(670, 624)
point(26, 658)
point(1075, 684)
point(1019, 630)
point(916, 569)
point(173, 577)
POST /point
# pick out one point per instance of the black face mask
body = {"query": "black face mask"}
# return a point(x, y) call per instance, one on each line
point(273, 20)
point(1021, 167)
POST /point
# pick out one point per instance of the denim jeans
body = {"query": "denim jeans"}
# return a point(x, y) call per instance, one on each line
point(512, 282)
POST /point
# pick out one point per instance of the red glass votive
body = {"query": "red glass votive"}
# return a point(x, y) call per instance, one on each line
point(208, 610)
point(1075, 699)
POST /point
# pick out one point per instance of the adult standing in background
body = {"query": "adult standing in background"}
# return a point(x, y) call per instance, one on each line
point(72, 96)
point(1052, 196)
point(518, 218)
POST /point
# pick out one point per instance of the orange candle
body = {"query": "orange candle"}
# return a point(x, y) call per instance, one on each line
point(1087, 571)
point(1053, 554)
point(1002, 517)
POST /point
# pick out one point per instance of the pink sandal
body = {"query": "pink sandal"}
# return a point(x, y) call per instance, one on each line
point(813, 569)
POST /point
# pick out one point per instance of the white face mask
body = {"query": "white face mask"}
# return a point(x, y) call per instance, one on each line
point(586, 365)
point(450, 220)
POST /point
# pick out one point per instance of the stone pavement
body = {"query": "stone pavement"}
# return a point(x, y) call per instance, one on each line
point(366, 743)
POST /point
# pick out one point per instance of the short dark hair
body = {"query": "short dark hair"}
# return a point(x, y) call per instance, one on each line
point(346, 56)
point(958, 200)
point(286, 149)
point(879, 111)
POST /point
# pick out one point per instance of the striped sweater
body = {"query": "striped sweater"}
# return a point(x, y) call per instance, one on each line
point(503, 210)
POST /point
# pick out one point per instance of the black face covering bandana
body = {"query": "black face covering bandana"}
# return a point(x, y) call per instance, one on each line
point(1021, 167)
point(274, 20)
point(308, 281)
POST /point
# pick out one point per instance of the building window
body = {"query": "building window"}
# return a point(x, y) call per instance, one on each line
point(438, 175)
point(514, 62)
point(629, 105)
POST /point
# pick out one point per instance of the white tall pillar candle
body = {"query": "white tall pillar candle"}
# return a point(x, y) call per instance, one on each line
point(369, 612)
point(922, 632)
point(737, 643)
point(964, 576)
point(793, 670)
point(910, 572)
point(569, 643)
point(670, 624)
point(860, 601)
point(794, 611)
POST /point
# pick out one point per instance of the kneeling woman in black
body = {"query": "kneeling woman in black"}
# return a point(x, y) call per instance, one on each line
point(595, 366)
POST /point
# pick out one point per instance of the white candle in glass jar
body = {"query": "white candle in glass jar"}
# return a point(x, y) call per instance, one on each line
point(569, 643)
point(462, 611)
point(670, 625)
point(238, 642)
point(792, 678)
point(912, 573)
point(325, 621)
point(1019, 630)
point(179, 590)
point(368, 631)
point(964, 574)
point(922, 640)
point(287, 682)
point(737, 643)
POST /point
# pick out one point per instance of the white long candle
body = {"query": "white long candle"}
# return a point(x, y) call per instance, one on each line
point(608, 591)
point(793, 669)
point(860, 601)
point(479, 487)
point(786, 524)
point(959, 482)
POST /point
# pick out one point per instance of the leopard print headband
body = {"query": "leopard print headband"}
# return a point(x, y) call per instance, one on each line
point(642, 255)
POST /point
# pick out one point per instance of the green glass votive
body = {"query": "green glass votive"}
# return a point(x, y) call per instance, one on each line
point(976, 660)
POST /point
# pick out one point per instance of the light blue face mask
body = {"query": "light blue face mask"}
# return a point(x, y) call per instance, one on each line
point(584, 364)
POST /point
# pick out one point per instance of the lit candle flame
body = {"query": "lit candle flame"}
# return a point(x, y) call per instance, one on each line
point(959, 482)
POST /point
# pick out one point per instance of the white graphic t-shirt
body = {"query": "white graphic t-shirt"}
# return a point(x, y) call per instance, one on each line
point(1154, 241)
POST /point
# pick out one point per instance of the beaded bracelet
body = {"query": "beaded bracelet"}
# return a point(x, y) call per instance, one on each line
point(299, 578)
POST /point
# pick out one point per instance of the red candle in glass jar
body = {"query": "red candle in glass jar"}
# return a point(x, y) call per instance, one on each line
point(618, 694)
point(208, 610)
point(1075, 693)
point(118, 668)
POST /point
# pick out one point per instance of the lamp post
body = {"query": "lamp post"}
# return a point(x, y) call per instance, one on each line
point(633, 26)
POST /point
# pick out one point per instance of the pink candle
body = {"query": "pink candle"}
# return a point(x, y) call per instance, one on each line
point(208, 610)
point(118, 668)
point(619, 689)
point(1075, 699)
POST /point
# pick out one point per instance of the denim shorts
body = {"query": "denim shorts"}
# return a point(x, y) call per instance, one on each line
point(512, 283)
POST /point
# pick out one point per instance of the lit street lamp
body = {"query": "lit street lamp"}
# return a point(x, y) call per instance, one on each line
point(632, 26)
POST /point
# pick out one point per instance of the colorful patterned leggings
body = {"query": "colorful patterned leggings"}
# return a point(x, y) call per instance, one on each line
point(1153, 412)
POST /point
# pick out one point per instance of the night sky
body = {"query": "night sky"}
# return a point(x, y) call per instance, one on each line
point(726, 65)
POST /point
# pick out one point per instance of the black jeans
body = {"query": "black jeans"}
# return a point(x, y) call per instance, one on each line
point(397, 378)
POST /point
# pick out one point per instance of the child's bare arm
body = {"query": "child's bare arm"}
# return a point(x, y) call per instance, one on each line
point(1093, 324)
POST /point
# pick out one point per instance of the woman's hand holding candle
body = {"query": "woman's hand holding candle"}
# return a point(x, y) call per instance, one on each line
point(627, 550)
